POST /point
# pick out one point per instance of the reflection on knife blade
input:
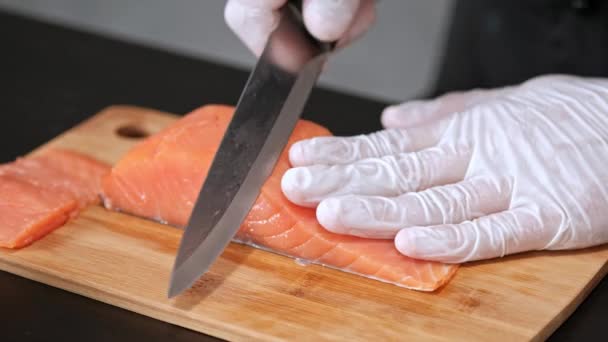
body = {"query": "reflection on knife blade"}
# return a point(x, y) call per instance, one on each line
point(266, 114)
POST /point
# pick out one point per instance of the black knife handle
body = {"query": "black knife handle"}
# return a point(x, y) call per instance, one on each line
point(297, 4)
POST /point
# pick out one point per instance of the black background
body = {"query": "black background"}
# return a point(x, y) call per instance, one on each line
point(51, 78)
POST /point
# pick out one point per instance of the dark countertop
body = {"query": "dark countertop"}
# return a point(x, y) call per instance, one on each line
point(51, 78)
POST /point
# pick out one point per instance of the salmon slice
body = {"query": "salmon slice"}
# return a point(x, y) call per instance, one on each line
point(160, 179)
point(39, 194)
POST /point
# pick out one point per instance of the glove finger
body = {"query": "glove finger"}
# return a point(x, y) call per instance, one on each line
point(345, 150)
point(364, 18)
point(383, 217)
point(386, 176)
point(421, 112)
point(253, 21)
point(491, 236)
point(329, 20)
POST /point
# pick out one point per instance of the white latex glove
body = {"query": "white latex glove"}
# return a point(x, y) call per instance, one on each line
point(327, 20)
point(469, 176)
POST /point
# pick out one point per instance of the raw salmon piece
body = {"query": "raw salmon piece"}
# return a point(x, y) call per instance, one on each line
point(40, 193)
point(160, 179)
point(61, 171)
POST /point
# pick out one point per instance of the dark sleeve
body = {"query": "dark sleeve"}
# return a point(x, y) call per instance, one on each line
point(493, 43)
point(457, 68)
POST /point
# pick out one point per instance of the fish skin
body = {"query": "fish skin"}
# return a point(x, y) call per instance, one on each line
point(160, 178)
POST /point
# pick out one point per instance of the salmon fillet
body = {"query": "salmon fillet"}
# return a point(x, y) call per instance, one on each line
point(40, 193)
point(160, 179)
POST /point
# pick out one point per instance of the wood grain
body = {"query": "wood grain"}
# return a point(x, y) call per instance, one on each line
point(250, 294)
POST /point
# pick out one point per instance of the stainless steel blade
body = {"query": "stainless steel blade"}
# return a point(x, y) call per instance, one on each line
point(266, 114)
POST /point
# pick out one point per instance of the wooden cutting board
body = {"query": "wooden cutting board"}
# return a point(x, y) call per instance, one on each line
point(250, 294)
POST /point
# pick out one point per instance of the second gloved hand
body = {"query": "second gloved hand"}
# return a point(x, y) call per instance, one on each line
point(327, 20)
point(469, 176)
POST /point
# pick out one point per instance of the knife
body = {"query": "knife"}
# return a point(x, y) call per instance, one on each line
point(265, 116)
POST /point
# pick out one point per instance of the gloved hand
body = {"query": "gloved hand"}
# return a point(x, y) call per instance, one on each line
point(327, 20)
point(469, 176)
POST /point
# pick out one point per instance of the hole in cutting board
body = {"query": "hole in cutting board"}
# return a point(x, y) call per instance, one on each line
point(132, 131)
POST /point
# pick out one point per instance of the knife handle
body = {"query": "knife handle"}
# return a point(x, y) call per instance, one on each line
point(296, 8)
point(297, 4)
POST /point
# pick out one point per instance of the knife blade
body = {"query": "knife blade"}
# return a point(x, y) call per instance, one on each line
point(269, 107)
